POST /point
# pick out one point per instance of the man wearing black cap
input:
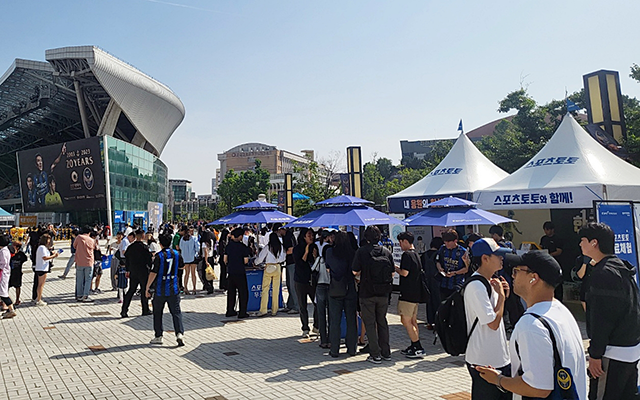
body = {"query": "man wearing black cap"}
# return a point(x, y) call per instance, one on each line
point(535, 277)
point(613, 317)
point(487, 337)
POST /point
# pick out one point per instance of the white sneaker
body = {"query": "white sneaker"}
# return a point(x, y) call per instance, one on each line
point(179, 339)
point(157, 340)
point(41, 303)
point(87, 299)
point(305, 334)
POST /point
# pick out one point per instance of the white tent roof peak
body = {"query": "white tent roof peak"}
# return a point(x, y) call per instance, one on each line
point(573, 164)
point(464, 170)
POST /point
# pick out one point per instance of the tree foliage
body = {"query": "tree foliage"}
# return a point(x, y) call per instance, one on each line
point(240, 188)
point(517, 140)
point(315, 179)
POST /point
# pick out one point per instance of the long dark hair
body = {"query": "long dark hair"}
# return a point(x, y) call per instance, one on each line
point(342, 247)
point(275, 247)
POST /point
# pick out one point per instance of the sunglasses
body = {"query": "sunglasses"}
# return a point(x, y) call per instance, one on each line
point(516, 270)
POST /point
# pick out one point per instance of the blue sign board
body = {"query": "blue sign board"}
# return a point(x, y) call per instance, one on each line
point(620, 218)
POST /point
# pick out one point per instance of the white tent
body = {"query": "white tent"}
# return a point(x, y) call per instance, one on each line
point(570, 171)
point(461, 173)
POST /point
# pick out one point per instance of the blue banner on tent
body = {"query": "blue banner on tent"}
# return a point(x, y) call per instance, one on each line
point(620, 218)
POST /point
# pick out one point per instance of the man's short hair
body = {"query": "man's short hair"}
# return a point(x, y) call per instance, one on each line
point(408, 236)
point(131, 234)
point(450, 236)
point(165, 241)
point(497, 229)
point(139, 232)
point(548, 225)
point(602, 233)
point(436, 242)
point(86, 229)
point(238, 232)
point(372, 234)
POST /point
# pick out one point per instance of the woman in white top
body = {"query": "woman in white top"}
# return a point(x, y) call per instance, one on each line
point(272, 255)
point(189, 248)
point(43, 256)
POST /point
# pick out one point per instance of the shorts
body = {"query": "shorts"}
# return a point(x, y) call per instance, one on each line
point(407, 309)
point(97, 269)
point(15, 279)
point(39, 273)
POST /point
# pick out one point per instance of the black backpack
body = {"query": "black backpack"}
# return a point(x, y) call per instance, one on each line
point(380, 272)
point(451, 320)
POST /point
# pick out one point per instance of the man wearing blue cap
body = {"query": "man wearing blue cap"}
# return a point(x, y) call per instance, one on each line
point(484, 298)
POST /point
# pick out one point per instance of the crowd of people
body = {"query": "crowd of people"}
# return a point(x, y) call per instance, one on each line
point(349, 286)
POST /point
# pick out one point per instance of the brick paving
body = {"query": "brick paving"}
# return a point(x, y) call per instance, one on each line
point(70, 350)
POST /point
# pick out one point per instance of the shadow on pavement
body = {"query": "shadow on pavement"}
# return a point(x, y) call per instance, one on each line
point(300, 362)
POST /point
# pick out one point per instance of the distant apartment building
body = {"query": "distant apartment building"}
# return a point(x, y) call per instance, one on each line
point(277, 162)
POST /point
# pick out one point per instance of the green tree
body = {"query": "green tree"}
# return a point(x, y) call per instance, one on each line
point(316, 180)
point(206, 213)
point(517, 140)
point(237, 189)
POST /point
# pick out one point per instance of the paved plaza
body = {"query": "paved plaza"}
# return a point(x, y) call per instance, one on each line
point(70, 350)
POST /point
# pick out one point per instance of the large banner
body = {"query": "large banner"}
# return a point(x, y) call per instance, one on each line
point(620, 218)
point(63, 177)
point(155, 214)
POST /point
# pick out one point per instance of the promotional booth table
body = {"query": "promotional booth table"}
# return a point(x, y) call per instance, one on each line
point(254, 282)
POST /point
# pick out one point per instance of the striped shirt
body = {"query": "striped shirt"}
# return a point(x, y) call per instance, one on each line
point(166, 265)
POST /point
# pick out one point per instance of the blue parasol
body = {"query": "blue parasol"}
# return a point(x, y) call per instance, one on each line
point(354, 215)
point(455, 216)
point(255, 216)
point(343, 200)
point(300, 196)
point(452, 202)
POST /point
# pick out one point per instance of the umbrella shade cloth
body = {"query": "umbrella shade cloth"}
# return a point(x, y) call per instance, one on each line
point(342, 200)
point(254, 217)
point(344, 215)
point(452, 202)
point(300, 196)
point(455, 217)
point(257, 205)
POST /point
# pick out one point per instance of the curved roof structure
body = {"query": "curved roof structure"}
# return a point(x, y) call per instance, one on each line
point(80, 92)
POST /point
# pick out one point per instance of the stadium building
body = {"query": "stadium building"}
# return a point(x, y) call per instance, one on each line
point(81, 137)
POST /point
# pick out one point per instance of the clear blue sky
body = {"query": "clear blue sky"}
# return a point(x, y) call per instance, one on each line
point(331, 74)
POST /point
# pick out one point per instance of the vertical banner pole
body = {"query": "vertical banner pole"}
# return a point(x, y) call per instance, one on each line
point(288, 194)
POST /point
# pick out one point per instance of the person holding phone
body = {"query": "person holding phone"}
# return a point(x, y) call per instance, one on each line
point(43, 257)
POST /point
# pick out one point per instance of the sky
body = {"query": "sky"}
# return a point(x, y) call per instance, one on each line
point(332, 74)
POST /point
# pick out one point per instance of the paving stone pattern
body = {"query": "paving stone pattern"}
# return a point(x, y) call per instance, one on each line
point(70, 350)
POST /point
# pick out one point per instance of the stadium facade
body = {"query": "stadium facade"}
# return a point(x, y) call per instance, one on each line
point(81, 137)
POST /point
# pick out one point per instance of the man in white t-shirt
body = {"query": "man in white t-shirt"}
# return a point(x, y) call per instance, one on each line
point(488, 339)
point(535, 277)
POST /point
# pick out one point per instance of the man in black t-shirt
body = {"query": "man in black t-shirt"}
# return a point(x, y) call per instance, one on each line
point(554, 245)
point(236, 258)
point(410, 293)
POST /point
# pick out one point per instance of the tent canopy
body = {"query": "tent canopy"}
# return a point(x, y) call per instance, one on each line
point(6, 216)
point(570, 171)
point(461, 173)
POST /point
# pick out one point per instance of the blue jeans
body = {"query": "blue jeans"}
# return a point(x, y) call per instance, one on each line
point(174, 309)
point(83, 281)
point(322, 305)
point(292, 301)
point(337, 305)
point(72, 259)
